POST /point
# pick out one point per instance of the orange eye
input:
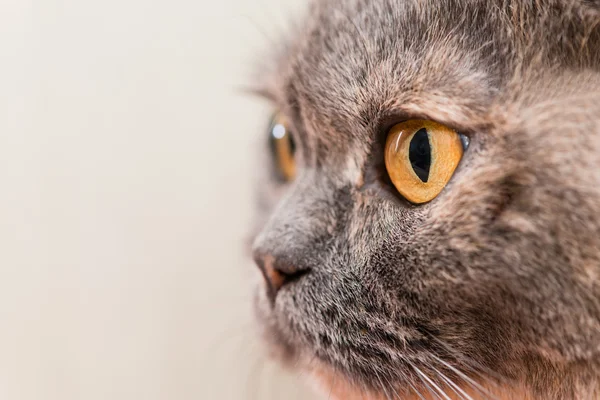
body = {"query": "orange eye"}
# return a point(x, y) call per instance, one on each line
point(283, 147)
point(421, 157)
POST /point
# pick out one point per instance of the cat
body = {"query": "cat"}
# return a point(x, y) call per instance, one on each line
point(488, 287)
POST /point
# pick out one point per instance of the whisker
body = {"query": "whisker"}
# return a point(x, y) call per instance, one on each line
point(276, 21)
point(362, 387)
point(303, 370)
point(473, 365)
point(429, 389)
point(463, 376)
point(331, 388)
point(417, 392)
point(232, 332)
point(463, 358)
point(432, 383)
point(259, 28)
point(453, 385)
point(389, 385)
point(395, 392)
point(385, 392)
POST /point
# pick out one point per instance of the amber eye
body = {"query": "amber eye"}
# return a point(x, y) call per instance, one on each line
point(420, 158)
point(282, 147)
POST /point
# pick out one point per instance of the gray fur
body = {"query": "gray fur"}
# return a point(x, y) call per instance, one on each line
point(500, 274)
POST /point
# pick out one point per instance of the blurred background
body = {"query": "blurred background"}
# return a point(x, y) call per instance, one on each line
point(126, 194)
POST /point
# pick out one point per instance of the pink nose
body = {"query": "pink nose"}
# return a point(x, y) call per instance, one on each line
point(276, 274)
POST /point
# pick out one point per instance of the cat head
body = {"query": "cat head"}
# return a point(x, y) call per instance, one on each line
point(495, 278)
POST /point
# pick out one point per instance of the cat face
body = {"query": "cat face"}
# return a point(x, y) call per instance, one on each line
point(497, 277)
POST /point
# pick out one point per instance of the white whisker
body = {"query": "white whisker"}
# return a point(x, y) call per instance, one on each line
point(473, 365)
point(331, 388)
point(429, 389)
point(453, 385)
point(470, 381)
point(387, 395)
point(417, 392)
point(431, 382)
point(303, 370)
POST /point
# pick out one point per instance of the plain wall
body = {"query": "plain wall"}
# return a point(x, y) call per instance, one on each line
point(126, 158)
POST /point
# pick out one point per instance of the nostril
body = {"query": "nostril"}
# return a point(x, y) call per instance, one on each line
point(278, 274)
point(289, 277)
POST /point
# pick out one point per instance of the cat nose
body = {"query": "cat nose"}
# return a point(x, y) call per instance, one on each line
point(277, 273)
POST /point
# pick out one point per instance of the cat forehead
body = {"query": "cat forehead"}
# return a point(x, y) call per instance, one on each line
point(357, 62)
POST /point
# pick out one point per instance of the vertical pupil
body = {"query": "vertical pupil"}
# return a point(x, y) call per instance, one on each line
point(420, 154)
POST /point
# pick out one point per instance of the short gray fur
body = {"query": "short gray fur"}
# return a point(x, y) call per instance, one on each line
point(501, 272)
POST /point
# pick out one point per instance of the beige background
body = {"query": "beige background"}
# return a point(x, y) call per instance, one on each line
point(125, 161)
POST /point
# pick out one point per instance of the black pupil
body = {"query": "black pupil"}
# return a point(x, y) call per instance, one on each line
point(419, 154)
